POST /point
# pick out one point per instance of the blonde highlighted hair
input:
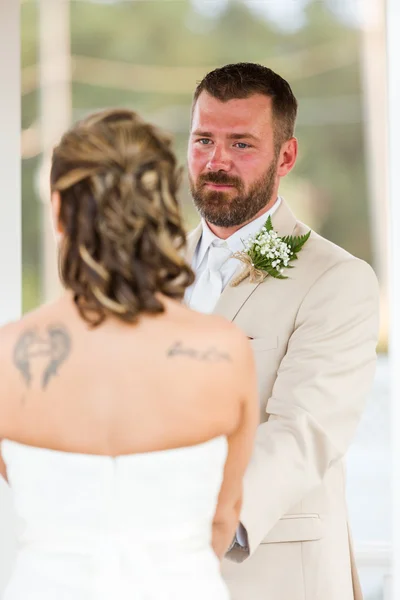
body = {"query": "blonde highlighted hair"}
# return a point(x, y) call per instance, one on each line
point(123, 236)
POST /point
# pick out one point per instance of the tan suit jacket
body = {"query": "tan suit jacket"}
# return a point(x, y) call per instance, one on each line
point(314, 337)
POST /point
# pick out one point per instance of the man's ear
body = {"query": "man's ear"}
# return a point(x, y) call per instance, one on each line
point(287, 157)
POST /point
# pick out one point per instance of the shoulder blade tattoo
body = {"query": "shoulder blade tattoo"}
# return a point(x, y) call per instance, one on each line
point(55, 344)
point(209, 355)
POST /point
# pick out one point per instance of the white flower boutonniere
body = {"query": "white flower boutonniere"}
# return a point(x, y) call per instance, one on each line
point(268, 254)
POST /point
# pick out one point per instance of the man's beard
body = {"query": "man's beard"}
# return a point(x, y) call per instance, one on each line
point(226, 210)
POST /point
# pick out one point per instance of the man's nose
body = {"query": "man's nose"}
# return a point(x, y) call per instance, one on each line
point(219, 160)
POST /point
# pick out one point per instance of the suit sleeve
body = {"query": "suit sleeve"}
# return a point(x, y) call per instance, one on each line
point(318, 397)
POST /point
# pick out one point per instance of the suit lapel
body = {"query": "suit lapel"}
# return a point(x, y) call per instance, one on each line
point(233, 298)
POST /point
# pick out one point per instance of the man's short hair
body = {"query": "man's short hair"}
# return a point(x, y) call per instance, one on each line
point(242, 80)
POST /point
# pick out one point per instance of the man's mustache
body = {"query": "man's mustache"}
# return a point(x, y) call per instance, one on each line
point(219, 177)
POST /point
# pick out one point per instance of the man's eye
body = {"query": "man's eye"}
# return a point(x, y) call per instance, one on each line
point(242, 145)
point(204, 141)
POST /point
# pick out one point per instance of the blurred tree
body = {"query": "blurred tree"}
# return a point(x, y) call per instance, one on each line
point(148, 55)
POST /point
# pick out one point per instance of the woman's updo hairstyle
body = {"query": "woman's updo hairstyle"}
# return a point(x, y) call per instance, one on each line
point(123, 237)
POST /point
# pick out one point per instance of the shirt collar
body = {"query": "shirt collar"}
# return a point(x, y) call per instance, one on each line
point(233, 242)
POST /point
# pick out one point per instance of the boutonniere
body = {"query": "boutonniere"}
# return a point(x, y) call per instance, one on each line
point(268, 254)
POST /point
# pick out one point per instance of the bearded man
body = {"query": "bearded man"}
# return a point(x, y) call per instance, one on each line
point(313, 329)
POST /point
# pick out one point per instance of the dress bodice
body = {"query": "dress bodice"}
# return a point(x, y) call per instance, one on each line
point(134, 526)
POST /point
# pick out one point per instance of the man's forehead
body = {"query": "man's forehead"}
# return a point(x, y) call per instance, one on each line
point(207, 101)
point(211, 113)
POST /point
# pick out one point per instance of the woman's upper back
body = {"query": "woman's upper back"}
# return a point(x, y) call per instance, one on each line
point(171, 380)
point(118, 365)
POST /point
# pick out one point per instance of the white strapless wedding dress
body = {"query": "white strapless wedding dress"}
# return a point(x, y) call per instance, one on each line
point(134, 527)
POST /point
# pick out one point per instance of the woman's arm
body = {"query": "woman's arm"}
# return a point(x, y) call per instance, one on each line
point(240, 443)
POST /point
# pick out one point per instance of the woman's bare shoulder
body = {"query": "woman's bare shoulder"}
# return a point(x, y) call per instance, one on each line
point(215, 331)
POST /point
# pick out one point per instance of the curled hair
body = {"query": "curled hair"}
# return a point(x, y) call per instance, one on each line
point(241, 80)
point(123, 236)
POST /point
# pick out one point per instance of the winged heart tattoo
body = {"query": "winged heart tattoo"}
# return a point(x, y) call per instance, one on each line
point(55, 344)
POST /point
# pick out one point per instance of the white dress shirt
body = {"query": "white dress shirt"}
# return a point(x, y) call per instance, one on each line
point(232, 244)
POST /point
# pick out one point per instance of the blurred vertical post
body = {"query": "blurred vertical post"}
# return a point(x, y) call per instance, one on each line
point(374, 72)
point(393, 52)
point(55, 118)
point(10, 226)
point(10, 162)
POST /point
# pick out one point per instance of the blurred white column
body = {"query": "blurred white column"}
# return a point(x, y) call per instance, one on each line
point(393, 50)
point(10, 227)
point(374, 73)
point(55, 118)
point(10, 163)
